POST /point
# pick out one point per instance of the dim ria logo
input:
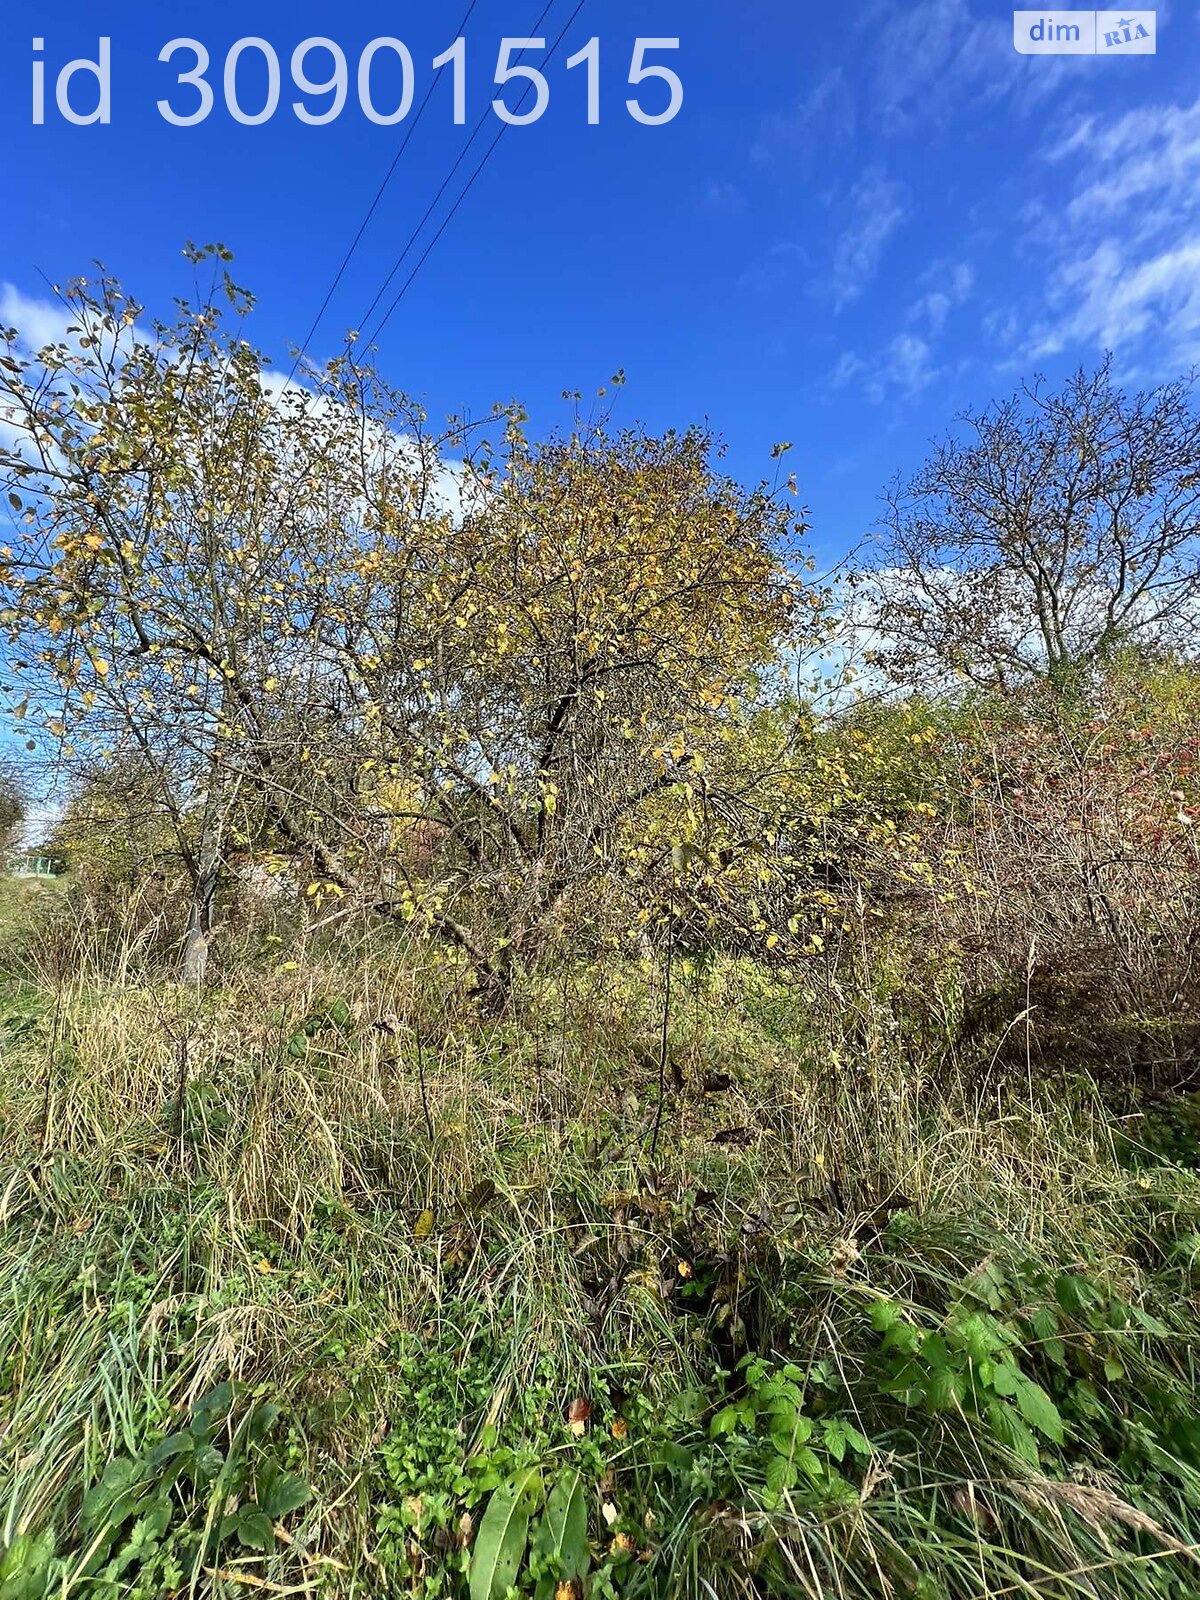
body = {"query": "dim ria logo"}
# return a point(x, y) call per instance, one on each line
point(1084, 33)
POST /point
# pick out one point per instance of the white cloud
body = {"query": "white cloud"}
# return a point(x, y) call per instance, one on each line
point(37, 322)
point(949, 284)
point(907, 363)
point(1126, 246)
point(932, 56)
point(878, 205)
point(905, 366)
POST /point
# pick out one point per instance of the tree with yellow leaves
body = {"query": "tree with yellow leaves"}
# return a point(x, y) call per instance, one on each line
point(161, 488)
point(486, 687)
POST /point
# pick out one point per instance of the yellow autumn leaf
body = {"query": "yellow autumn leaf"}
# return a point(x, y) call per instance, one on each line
point(423, 1226)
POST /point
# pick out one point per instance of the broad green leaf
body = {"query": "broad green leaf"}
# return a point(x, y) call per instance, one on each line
point(1075, 1294)
point(780, 1475)
point(254, 1528)
point(1039, 1410)
point(281, 1492)
point(174, 1444)
point(1006, 1380)
point(562, 1531)
point(262, 1419)
point(1011, 1431)
point(25, 1567)
point(503, 1535)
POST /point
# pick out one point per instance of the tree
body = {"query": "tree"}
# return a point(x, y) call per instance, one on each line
point(1058, 528)
point(545, 690)
point(13, 799)
point(114, 828)
point(478, 686)
point(178, 515)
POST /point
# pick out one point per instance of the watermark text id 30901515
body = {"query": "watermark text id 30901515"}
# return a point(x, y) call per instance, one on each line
point(316, 81)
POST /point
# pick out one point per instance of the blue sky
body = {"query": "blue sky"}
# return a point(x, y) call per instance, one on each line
point(865, 217)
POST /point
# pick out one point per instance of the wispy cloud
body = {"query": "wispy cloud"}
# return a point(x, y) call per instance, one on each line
point(877, 206)
point(826, 114)
point(931, 57)
point(904, 367)
point(777, 269)
point(721, 198)
point(947, 285)
point(909, 362)
point(1126, 247)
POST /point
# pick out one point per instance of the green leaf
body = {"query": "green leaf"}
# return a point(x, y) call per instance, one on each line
point(685, 1408)
point(780, 1475)
point(944, 1389)
point(1039, 1410)
point(254, 1528)
point(205, 1464)
point(503, 1535)
point(729, 1419)
point(175, 1444)
point(903, 1338)
point(857, 1441)
point(562, 1531)
point(787, 1428)
point(213, 1408)
point(123, 1490)
point(25, 1567)
point(1152, 1324)
point(1075, 1294)
point(261, 1420)
point(987, 1284)
point(839, 1434)
point(835, 1438)
point(337, 1014)
point(1006, 1380)
point(281, 1492)
point(884, 1314)
point(1011, 1432)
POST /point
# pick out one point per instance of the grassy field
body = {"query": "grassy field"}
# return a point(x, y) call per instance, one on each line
point(322, 1285)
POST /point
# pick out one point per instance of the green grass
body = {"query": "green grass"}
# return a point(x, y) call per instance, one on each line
point(856, 1328)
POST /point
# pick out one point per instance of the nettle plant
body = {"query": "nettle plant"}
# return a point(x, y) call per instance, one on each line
point(968, 1366)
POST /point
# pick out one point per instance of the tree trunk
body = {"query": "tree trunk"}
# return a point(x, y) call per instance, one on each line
point(194, 959)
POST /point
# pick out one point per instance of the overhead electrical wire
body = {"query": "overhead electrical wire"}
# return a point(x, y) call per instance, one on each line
point(471, 181)
point(374, 205)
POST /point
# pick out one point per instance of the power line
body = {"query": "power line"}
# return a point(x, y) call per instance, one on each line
point(432, 206)
point(453, 212)
point(374, 206)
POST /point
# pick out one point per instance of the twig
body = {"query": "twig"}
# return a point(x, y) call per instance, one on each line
point(662, 1044)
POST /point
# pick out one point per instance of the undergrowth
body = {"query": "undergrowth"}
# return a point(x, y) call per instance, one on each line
point(323, 1286)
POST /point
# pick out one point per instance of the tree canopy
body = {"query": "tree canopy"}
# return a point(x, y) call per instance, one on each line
point(1055, 528)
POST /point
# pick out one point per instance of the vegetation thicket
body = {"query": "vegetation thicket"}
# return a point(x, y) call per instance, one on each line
point(533, 1080)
